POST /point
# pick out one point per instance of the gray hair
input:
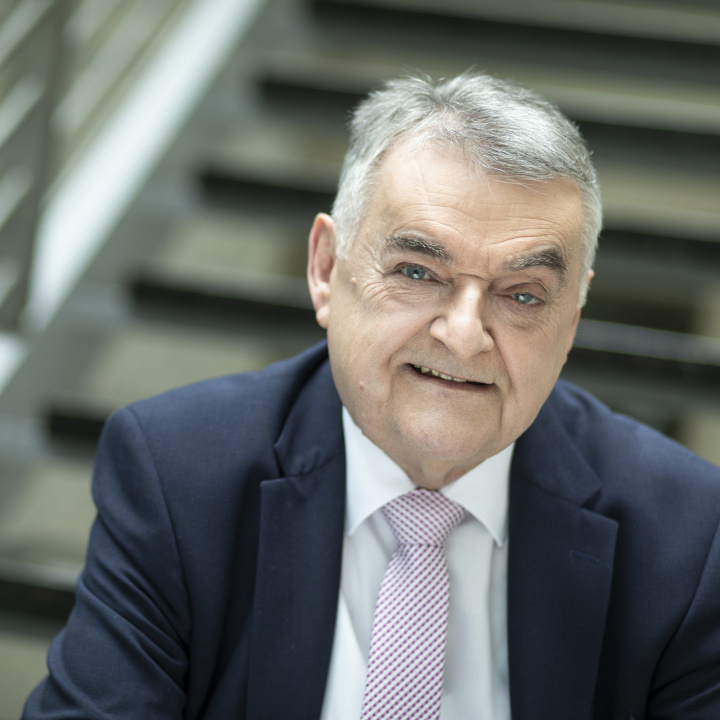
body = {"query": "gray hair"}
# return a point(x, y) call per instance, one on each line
point(500, 127)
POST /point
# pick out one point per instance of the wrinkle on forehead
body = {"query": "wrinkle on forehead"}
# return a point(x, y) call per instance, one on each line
point(422, 193)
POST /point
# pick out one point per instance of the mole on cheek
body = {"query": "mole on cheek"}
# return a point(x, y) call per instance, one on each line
point(362, 385)
point(353, 281)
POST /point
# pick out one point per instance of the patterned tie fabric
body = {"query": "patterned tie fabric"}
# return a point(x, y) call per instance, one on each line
point(407, 650)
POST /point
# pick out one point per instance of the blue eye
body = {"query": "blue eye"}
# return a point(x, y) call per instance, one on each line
point(525, 298)
point(415, 272)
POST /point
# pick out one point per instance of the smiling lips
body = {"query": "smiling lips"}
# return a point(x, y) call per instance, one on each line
point(436, 373)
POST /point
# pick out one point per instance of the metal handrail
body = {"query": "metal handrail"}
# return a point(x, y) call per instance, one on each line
point(29, 53)
point(58, 78)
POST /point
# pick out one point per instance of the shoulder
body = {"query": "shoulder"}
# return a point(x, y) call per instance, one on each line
point(263, 397)
point(238, 408)
point(215, 432)
point(603, 434)
point(633, 460)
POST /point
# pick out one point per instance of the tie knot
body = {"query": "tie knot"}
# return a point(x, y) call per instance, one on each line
point(423, 517)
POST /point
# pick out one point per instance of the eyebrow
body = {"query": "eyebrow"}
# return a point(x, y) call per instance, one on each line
point(412, 243)
point(551, 258)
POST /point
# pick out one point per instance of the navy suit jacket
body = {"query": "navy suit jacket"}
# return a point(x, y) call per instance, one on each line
point(212, 575)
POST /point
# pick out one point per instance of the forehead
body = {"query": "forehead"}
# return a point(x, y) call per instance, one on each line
point(438, 194)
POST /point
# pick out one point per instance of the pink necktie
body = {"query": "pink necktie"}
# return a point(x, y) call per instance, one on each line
point(407, 650)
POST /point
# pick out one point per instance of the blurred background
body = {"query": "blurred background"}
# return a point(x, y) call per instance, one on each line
point(160, 165)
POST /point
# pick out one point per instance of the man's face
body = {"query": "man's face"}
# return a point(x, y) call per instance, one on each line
point(452, 273)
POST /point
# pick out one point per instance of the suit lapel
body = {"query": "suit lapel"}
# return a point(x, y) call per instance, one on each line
point(559, 576)
point(298, 577)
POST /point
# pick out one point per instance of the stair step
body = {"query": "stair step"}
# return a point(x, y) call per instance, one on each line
point(194, 299)
point(616, 361)
point(335, 74)
point(472, 26)
point(611, 135)
point(696, 22)
point(23, 651)
point(234, 247)
point(640, 198)
point(45, 519)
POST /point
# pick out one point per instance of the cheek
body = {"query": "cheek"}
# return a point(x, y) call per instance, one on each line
point(371, 352)
point(385, 327)
point(534, 360)
point(357, 345)
point(392, 313)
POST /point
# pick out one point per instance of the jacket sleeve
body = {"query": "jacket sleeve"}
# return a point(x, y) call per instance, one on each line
point(686, 685)
point(123, 653)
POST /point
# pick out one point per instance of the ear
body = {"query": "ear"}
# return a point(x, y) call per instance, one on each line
point(321, 261)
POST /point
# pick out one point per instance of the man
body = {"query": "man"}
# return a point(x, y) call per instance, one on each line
point(242, 531)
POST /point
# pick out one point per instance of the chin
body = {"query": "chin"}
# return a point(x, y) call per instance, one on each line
point(447, 447)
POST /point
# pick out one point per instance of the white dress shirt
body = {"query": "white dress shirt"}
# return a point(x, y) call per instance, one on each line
point(475, 682)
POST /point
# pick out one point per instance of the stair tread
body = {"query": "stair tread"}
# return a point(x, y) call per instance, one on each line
point(585, 94)
point(45, 519)
point(647, 19)
point(636, 197)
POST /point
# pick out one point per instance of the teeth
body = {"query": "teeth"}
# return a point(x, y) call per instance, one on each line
point(424, 370)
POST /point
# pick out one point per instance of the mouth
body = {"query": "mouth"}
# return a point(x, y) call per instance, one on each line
point(432, 373)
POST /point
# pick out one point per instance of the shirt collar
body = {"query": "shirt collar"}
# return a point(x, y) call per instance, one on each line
point(374, 479)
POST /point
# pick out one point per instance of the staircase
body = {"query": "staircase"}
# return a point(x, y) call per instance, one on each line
point(203, 273)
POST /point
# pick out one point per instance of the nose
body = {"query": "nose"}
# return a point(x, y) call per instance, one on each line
point(460, 327)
